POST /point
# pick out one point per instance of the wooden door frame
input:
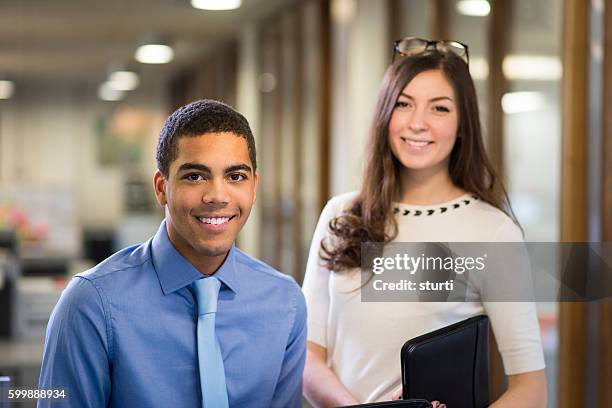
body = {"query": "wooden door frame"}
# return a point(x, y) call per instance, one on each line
point(605, 309)
point(573, 316)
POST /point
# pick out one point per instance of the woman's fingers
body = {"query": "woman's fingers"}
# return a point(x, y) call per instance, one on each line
point(397, 394)
point(437, 404)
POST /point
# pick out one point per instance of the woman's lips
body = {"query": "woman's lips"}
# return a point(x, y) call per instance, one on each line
point(416, 145)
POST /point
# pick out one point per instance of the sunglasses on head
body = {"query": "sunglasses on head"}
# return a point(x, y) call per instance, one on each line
point(410, 46)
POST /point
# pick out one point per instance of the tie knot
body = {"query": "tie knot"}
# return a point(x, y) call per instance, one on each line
point(206, 292)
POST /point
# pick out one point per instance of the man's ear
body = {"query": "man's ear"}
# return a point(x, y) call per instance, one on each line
point(159, 184)
point(256, 182)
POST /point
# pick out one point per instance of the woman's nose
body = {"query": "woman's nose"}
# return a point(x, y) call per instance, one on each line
point(417, 127)
point(416, 122)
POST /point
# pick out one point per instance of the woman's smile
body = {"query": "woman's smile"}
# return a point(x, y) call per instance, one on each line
point(416, 144)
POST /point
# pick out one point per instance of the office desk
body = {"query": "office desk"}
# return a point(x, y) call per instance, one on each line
point(21, 353)
point(20, 360)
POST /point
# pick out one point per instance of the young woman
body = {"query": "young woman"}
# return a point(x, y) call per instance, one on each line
point(427, 179)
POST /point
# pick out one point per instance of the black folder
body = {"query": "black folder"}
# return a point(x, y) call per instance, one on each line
point(450, 365)
point(413, 403)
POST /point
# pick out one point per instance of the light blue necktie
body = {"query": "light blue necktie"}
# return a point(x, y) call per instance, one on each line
point(212, 374)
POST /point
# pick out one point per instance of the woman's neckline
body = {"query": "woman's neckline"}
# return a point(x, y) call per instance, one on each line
point(451, 201)
point(430, 209)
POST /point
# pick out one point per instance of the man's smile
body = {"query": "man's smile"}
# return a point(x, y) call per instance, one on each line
point(218, 220)
point(215, 224)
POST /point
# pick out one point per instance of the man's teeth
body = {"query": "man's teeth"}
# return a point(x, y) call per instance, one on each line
point(214, 221)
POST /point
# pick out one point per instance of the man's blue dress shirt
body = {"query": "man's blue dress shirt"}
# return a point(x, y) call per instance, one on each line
point(123, 334)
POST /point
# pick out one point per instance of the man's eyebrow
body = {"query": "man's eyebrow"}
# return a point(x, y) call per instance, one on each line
point(193, 166)
point(205, 169)
point(236, 167)
point(437, 98)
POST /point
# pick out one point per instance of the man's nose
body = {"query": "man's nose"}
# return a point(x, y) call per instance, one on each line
point(216, 192)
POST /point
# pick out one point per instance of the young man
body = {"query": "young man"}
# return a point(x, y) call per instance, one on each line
point(131, 332)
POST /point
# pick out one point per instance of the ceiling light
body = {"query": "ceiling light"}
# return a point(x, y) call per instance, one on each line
point(478, 8)
point(154, 54)
point(266, 82)
point(597, 50)
point(518, 102)
point(216, 4)
point(6, 89)
point(479, 68)
point(106, 92)
point(343, 11)
point(124, 80)
point(532, 67)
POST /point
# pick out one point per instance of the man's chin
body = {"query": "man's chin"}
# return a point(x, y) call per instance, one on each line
point(214, 251)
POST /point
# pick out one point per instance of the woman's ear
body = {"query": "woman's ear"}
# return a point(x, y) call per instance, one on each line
point(159, 184)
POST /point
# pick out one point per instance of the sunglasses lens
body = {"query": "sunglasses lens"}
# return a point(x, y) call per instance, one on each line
point(454, 47)
point(411, 46)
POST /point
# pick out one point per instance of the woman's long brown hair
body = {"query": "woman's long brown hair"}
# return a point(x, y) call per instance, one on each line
point(370, 217)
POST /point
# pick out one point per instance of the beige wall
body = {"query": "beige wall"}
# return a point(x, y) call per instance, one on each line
point(360, 55)
point(48, 140)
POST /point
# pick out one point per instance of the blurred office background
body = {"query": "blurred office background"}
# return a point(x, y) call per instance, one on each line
point(80, 110)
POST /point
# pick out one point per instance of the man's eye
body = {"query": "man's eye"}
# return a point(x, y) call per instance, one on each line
point(237, 177)
point(194, 177)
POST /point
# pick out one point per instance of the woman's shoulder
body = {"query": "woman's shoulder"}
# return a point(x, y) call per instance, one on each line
point(341, 202)
point(336, 206)
point(498, 223)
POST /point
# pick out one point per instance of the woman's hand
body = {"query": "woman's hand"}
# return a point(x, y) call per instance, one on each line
point(526, 390)
point(397, 395)
point(322, 388)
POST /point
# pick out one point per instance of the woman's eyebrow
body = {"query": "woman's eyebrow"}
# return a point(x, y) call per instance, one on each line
point(435, 99)
point(441, 98)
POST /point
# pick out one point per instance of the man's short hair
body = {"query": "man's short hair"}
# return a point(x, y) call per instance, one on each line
point(196, 119)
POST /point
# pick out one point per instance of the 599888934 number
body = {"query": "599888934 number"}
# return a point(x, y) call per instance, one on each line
point(30, 394)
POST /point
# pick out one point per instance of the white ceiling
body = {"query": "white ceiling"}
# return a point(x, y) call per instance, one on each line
point(79, 40)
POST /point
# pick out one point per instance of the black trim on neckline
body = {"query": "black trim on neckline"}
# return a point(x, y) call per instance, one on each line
point(435, 210)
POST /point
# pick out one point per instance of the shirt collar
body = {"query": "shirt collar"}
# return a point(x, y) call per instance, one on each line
point(175, 272)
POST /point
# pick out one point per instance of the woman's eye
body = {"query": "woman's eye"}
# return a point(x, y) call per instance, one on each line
point(401, 104)
point(237, 177)
point(441, 109)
